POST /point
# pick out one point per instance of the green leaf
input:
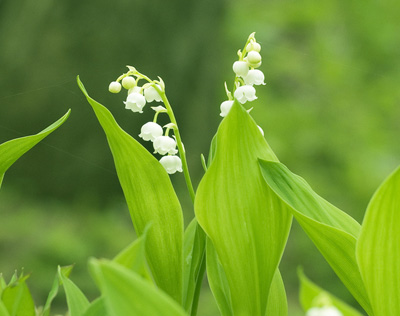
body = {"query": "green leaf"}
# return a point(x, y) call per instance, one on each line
point(233, 200)
point(76, 300)
point(151, 199)
point(332, 231)
point(97, 308)
point(3, 310)
point(10, 151)
point(17, 298)
point(194, 265)
point(378, 247)
point(277, 301)
point(311, 295)
point(126, 293)
point(54, 289)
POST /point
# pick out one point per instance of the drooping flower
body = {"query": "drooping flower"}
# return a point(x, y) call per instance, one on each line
point(241, 68)
point(171, 164)
point(150, 131)
point(254, 76)
point(114, 87)
point(151, 94)
point(226, 107)
point(165, 145)
point(253, 57)
point(135, 102)
point(245, 93)
point(324, 311)
point(128, 82)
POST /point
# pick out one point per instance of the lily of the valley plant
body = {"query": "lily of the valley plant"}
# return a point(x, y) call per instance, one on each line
point(243, 207)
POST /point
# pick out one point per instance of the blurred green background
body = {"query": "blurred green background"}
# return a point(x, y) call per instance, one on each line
point(330, 110)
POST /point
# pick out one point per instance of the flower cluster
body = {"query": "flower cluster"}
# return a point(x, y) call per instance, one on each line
point(246, 76)
point(138, 96)
point(324, 311)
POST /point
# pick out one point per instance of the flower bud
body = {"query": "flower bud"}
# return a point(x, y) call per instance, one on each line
point(241, 68)
point(128, 82)
point(254, 76)
point(171, 164)
point(226, 107)
point(253, 46)
point(324, 311)
point(245, 93)
point(150, 131)
point(165, 145)
point(114, 87)
point(151, 94)
point(253, 58)
point(135, 102)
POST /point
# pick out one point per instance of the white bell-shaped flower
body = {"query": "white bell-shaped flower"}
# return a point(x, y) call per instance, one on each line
point(135, 102)
point(241, 68)
point(253, 57)
point(245, 93)
point(114, 87)
point(254, 76)
point(151, 94)
point(128, 82)
point(226, 107)
point(171, 164)
point(324, 311)
point(150, 131)
point(165, 145)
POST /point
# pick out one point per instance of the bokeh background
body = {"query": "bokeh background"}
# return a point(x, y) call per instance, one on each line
point(330, 110)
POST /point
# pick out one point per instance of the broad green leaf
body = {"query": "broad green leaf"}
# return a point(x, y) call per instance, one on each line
point(10, 151)
point(277, 301)
point(3, 310)
point(17, 298)
point(54, 289)
point(134, 256)
point(378, 248)
point(217, 280)
point(126, 293)
point(97, 308)
point(246, 222)
point(151, 199)
point(332, 231)
point(311, 295)
point(194, 265)
point(76, 300)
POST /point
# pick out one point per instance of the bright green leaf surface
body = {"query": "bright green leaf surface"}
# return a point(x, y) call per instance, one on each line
point(277, 301)
point(126, 293)
point(194, 265)
point(97, 308)
point(17, 298)
point(378, 248)
point(311, 295)
point(247, 224)
point(10, 151)
point(151, 199)
point(3, 310)
point(332, 231)
point(76, 300)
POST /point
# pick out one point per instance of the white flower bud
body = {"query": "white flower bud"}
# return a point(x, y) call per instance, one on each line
point(253, 57)
point(135, 102)
point(324, 311)
point(150, 131)
point(245, 93)
point(241, 68)
point(171, 164)
point(128, 82)
point(254, 76)
point(151, 94)
point(253, 46)
point(226, 107)
point(165, 145)
point(114, 87)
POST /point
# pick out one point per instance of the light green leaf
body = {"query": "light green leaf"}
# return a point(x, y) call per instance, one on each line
point(17, 298)
point(97, 308)
point(246, 222)
point(76, 300)
point(3, 310)
point(332, 231)
point(277, 301)
point(194, 265)
point(311, 295)
point(126, 293)
point(54, 289)
point(151, 199)
point(378, 248)
point(10, 151)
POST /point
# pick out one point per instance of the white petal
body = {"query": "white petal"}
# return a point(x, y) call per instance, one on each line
point(226, 107)
point(171, 164)
point(241, 68)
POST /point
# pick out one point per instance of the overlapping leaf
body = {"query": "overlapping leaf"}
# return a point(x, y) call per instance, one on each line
point(247, 224)
point(378, 248)
point(151, 199)
point(12, 150)
point(333, 232)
